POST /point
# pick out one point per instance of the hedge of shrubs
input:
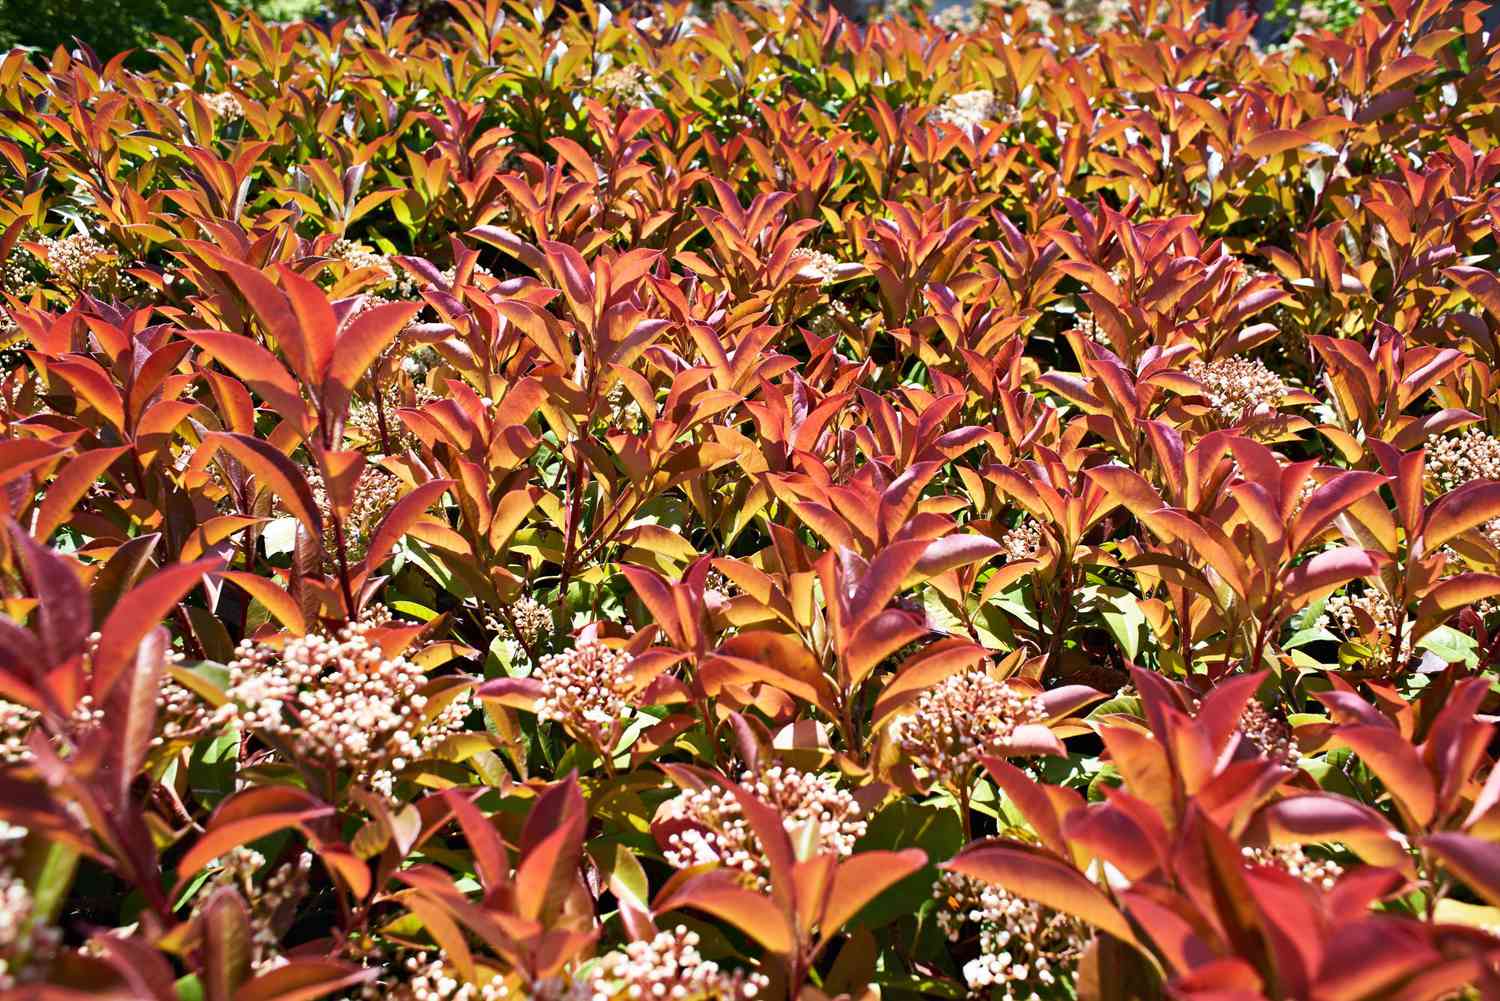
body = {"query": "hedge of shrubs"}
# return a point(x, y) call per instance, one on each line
point(673, 503)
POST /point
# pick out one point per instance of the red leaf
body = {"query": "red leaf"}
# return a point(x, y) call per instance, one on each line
point(520, 693)
point(1475, 861)
point(656, 594)
point(490, 857)
point(139, 612)
point(551, 843)
point(1043, 809)
point(280, 604)
point(315, 317)
point(955, 551)
point(884, 578)
point(131, 710)
point(359, 344)
point(399, 520)
point(93, 385)
point(571, 272)
point(1328, 570)
point(276, 317)
point(254, 366)
point(248, 816)
point(305, 980)
point(1319, 817)
point(1034, 875)
point(278, 473)
point(1328, 500)
point(225, 926)
point(877, 639)
point(63, 616)
point(70, 485)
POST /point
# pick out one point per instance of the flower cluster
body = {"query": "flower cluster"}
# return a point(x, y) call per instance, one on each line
point(526, 626)
point(343, 703)
point(960, 18)
point(1024, 542)
point(532, 620)
point(376, 269)
point(1368, 615)
point(272, 901)
point(1460, 459)
point(417, 362)
point(420, 977)
point(815, 265)
point(833, 368)
point(717, 588)
point(84, 265)
point(1309, 487)
point(16, 280)
point(832, 320)
point(708, 825)
point(971, 111)
point(1022, 944)
point(72, 259)
point(24, 943)
point(626, 86)
point(450, 274)
point(961, 719)
point(16, 275)
point(624, 413)
point(1269, 734)
point(1294, 860)
point(1237, 388)
point(225, 105)
point(588, 690)
point(365, 416)
point(16, 722)
point(671, 968)
point(182, 715)
point(376, 492)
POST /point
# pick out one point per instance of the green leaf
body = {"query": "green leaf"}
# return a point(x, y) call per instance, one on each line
point(1121, 612)
point(1451, 645)
point(904, 824)
point(416, 610)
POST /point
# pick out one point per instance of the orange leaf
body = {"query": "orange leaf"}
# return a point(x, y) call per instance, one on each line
point(255, 366)
point(1398, 766)
point(1460, 510)
point(719, 893)
point(280, 604)
point(77, 475)
point(861, 879)
point(1273, 142)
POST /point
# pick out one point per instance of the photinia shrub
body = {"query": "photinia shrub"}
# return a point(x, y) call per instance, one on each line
point(541, 501)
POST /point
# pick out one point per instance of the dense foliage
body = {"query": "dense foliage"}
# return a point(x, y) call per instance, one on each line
point(110, 27)
point(554, 503)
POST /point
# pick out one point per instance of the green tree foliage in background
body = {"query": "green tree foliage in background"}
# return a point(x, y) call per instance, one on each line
point(112, 26)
